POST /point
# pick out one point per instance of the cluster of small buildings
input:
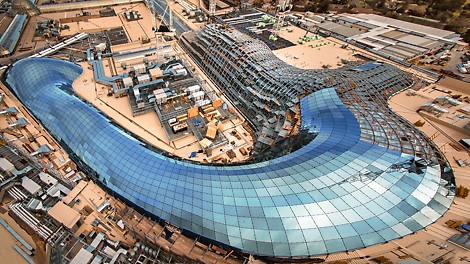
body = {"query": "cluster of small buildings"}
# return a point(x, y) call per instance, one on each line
point(44, 204)
point(388, 37)
point(30, 192)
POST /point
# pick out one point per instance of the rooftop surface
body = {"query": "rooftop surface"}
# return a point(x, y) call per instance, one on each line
point(64, 214)
point(381, 20)
point(148, 125)
point(386, 36)
point(425, 245)
point(374, 181)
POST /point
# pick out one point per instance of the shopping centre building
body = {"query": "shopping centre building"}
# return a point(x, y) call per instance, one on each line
point(366, 178)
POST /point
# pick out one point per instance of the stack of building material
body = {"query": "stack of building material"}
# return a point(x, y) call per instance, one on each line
point(192, 112)
point(210, 112)
point(206, 109)
point(217, 103)
point(211, 131)
point(182, 118)
point(205, 143)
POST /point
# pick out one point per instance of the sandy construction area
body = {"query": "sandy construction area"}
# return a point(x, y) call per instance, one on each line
point(313, 54)
point(406, 105)
point(7, 252)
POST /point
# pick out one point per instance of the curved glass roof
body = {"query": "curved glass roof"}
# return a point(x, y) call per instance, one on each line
point(336, 193)
point(265, 87)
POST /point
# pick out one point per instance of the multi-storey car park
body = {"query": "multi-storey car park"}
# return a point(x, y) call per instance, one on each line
point(366, 177)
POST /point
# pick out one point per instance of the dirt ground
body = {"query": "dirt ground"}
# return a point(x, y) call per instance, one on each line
point(7, 253)
point(313, 54)
point(40, 255)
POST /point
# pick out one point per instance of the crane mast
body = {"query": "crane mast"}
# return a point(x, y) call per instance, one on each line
point(156, 25)
point(212, 6)
point(282, 10)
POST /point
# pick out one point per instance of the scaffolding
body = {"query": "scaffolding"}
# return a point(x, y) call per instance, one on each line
point(282, 10)
point(267, 90)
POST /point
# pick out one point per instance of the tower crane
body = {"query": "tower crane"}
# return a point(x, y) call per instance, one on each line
point(159, 31)
point(212, 6)
point(282, 9)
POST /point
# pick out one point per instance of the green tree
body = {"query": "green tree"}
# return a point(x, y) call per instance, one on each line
point(466, 36)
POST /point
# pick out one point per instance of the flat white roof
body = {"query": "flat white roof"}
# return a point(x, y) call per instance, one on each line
point(371, 18)
point(6, 165)
point(97, 240)
point(466, 108)
point(30, 185)
point(83, 257)
point(143, 77)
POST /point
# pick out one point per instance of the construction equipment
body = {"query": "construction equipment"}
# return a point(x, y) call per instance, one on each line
point(454, 223)
point(160, 30)
point(282, 10)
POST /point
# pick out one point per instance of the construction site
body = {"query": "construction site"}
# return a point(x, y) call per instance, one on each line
point(204, 132)
point(192, 120)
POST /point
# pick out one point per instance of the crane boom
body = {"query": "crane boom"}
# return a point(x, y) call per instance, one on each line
point(156, 24)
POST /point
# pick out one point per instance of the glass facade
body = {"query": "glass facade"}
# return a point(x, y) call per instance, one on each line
point(12, 34)
point(336, 193)
point(268, 89)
